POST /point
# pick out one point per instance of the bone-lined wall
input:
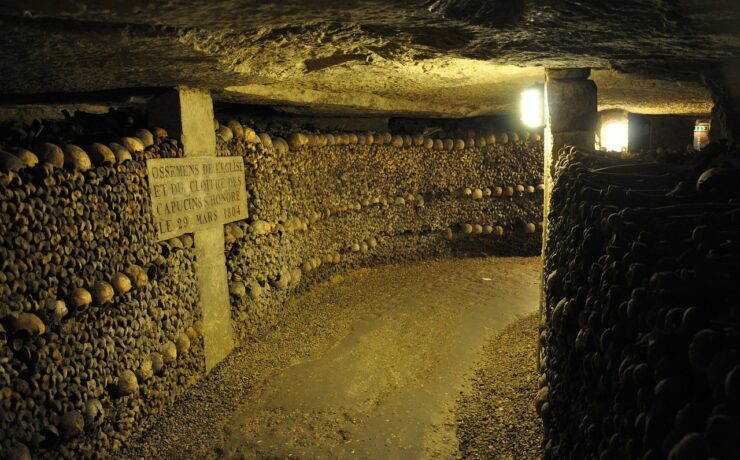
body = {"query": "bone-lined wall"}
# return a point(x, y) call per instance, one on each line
point(99, 324)
point(642, 325)
point(98, 321)
point(323, 203)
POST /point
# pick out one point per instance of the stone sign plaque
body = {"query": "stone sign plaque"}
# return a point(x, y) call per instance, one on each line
point(194, 193)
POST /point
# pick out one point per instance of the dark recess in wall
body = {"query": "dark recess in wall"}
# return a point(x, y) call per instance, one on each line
point(649, 132)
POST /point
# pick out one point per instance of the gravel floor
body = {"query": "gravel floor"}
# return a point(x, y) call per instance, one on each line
point(366, 366)
point(496, 415)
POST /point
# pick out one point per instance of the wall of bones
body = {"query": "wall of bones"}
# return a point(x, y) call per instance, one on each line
point(99, 325)
point(320, 204)
point(642, 326)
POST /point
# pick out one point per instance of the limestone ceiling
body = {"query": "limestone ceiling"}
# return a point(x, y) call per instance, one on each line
point(412, 57)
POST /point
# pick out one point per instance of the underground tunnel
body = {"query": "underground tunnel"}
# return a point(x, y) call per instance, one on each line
point(371, 229)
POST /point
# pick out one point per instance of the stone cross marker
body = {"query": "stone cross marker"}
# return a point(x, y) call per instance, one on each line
point(198, 193)
point(191, 194)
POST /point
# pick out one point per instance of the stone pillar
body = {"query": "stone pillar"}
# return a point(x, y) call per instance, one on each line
point(187, 115)
point(571, 114)
point(724, 86)
point(571, 117)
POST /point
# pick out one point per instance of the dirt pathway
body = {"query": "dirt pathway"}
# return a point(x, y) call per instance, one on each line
point(367, 367)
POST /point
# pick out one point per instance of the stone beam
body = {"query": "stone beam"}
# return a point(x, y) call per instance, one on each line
point(187, 114)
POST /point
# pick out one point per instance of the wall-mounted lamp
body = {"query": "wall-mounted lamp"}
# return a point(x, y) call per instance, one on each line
point(533, 106)
point(615, 136)
point(614, 130)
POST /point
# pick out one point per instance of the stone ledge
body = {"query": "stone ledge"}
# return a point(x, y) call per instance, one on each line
point(578, 73)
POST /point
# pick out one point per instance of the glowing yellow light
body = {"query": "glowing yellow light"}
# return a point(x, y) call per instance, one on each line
point(533, 114)
point(615, 136)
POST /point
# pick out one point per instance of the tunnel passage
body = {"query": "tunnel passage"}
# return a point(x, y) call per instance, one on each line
point(101, 329)
point(375, 145)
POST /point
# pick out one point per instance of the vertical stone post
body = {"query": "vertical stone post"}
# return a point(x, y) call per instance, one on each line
point(571, 117)
point(725, 90)
point(187, 115)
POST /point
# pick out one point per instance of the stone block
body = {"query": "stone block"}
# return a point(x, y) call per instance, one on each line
point(578, 73)
point(571, 105)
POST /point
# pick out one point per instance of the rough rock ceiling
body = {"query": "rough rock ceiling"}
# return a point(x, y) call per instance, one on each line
point(443, 57)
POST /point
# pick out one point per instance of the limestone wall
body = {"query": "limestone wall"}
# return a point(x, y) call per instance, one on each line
point(321, 204)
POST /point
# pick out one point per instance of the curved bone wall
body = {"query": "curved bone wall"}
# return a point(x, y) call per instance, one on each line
point(320, 204)
point(99, 323)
